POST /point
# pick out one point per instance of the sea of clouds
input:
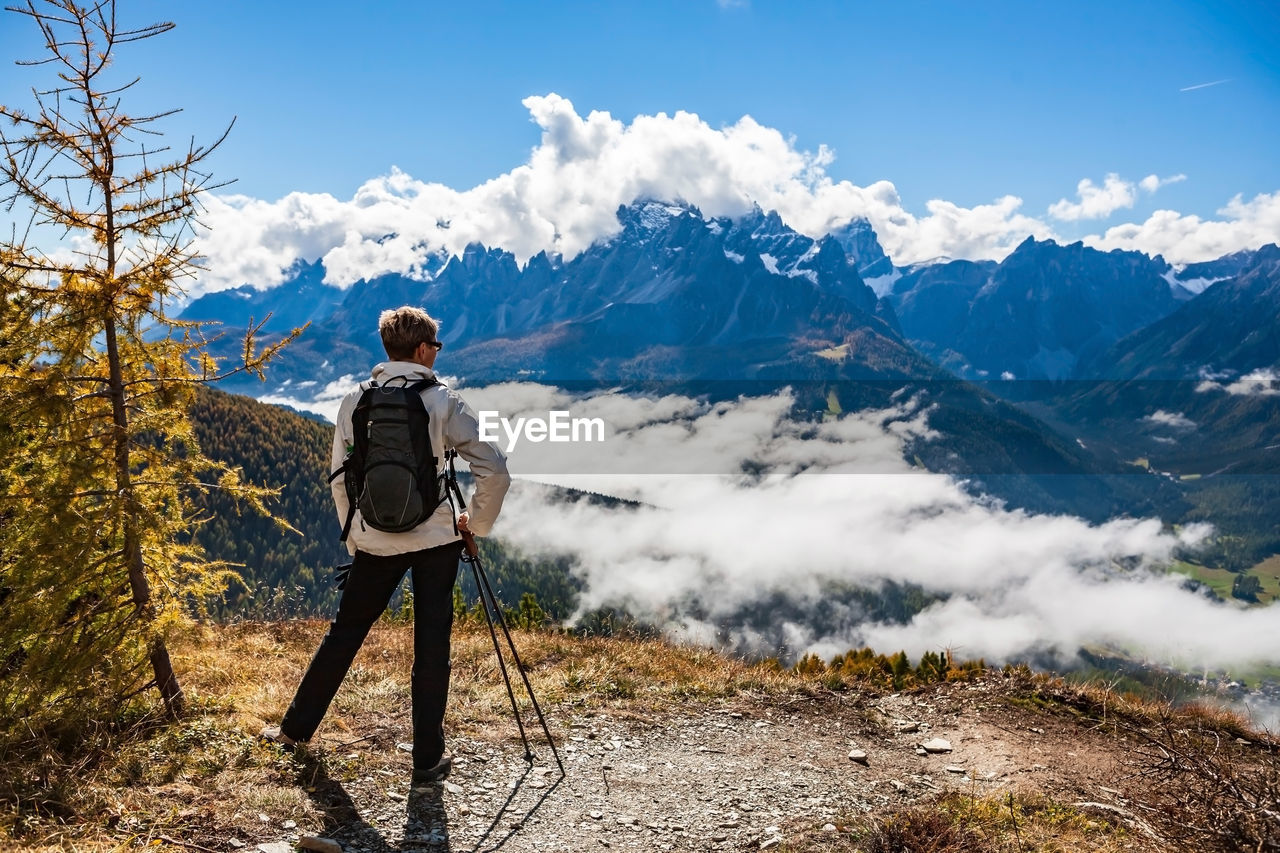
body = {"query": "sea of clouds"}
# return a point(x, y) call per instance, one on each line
point(566, 196)
point(837, 503)
point(786, 510)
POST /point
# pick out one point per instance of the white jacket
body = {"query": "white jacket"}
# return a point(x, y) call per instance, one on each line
point(453, 424)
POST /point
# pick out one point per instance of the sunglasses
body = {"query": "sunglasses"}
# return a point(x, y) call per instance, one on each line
point(437, 344)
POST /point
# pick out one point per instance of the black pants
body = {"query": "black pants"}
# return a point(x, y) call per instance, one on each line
point(368, 590)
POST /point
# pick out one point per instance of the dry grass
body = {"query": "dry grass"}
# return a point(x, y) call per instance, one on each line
point(1213, 780)
point(1120, 711)
point(956, 823)
point(255, 667)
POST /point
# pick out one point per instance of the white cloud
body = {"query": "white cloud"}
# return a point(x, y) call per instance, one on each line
point(1151, 183)
point(1095, 202)
point(324, 402)
point(1188, 239)
point(1258, 383)
point(566, 195)
point(1099, 202)
point(840, 507)
point(1148, 615)
point(1176, 420)
point(676, 436)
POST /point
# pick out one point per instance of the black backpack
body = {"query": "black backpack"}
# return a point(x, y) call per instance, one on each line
point(390, 472)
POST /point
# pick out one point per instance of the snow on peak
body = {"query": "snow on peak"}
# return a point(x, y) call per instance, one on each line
point(656, 215)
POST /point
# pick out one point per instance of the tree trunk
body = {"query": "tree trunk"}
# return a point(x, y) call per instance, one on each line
point(161, 666)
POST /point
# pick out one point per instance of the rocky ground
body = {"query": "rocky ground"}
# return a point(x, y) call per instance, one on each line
point(736, 775)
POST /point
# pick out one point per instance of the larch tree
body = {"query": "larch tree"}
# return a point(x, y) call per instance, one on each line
point(98, 463)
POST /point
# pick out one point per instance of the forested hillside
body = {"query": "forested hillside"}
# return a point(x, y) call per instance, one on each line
point(288, 572)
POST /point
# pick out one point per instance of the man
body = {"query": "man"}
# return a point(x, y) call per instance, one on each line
point(430, 551)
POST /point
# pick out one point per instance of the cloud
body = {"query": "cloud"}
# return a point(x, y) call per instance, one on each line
point(786, 514)
point(675, 435)
point(1150, 615)
point(1151, 183)
point(1176, 420)
point(257, 242)
point(1099, 202)
point(565, 197)
point(748, 559)
point(324, 402)
point(1188, 239)
point(1258, 383)
point(1095, 202)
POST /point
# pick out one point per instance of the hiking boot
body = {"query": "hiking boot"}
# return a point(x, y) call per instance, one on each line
point(438, 773)
point(273, 735)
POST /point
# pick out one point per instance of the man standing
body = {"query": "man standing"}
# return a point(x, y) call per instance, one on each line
point(429, 551)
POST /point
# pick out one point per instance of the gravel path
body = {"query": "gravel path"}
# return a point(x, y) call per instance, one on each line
point(734, 776)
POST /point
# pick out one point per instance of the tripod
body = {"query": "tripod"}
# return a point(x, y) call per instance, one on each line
point(493, 613)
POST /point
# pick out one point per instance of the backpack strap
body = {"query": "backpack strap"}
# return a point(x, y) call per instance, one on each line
point(451, 490)
point(452, 483)
point(346, 525)
point(423, 384)
point(351, 507)
point(417, 388)
point(342, 470)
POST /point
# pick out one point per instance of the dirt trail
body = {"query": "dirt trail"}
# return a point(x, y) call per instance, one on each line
point(729, 776)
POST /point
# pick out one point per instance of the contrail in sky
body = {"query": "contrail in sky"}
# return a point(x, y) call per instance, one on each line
point(1205, 85)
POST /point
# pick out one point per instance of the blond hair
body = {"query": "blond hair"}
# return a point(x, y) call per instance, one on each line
point(403, 329)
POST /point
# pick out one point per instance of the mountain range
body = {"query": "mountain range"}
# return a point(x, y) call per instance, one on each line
point(1057, 360)
point(673, 295)
point(678, 295)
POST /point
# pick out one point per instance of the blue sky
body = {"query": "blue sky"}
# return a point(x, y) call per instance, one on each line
point(965, 102)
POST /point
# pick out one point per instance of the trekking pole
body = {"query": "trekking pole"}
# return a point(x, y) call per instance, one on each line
point(488, 602)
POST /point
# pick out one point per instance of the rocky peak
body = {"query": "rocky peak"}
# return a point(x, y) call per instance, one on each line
point(860, 243)
point(648, 217)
